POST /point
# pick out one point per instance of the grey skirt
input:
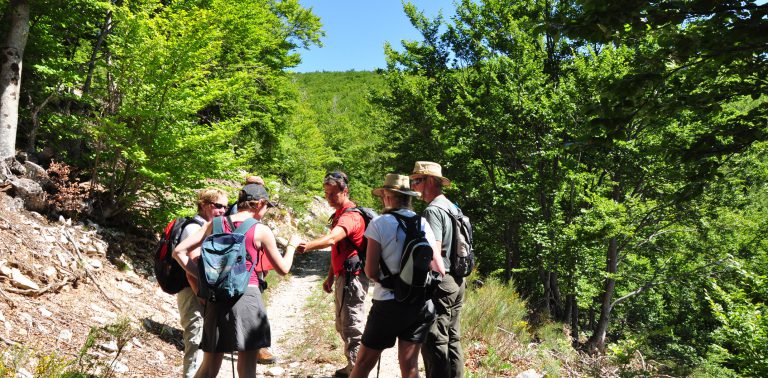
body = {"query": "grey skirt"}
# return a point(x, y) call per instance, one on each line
point(236, 326)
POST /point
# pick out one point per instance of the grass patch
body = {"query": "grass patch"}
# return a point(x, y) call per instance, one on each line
point(499, 341)
point(319, 341)
point(17, 359)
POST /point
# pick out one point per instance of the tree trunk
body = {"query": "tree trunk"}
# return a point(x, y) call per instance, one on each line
point(556, 298)
point(35, 115)
point(597, 341)
point(573, 315)
point(11, 56)
point(106, 28)
point(512, 244)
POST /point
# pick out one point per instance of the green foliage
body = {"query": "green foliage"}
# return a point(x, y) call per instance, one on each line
point(495, 312)
point(55, 366)
point(333, 129)
point(600, 151)
point(495, 316)
point(744, 330)
point(152, 100)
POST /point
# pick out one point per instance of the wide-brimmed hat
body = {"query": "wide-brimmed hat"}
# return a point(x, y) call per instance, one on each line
point(428, 168)
point(254, 192)
point(396, 183)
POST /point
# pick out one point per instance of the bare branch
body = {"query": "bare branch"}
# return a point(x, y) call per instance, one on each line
point(88, 272)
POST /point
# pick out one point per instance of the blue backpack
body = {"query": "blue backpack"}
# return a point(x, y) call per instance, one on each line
point(222, 271)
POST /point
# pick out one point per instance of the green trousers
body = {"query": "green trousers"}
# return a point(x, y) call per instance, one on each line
point(442, 353)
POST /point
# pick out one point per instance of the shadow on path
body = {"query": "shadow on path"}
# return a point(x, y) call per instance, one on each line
point(170, 335)
point(313, 263)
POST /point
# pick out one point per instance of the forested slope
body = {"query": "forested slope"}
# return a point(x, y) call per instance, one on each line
point(613, 158)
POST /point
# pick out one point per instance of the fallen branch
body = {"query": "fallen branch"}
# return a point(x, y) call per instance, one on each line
point(36, 293)
point(8, 342)
point(88, 272)
point(7, 299)
point(505, 331)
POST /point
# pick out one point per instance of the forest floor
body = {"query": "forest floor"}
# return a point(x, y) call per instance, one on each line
point(58, 282)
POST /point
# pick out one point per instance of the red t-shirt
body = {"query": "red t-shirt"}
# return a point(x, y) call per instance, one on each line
point(354, 225)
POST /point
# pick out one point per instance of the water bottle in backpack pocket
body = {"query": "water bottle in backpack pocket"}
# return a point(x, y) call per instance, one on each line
point(223, 273)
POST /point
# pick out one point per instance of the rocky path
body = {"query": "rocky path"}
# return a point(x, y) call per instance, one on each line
point(287, 310)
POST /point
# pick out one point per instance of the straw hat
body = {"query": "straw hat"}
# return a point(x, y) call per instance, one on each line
point(428, 168)
point(396, 183)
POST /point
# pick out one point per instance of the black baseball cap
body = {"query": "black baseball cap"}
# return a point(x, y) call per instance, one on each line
point(254, 192)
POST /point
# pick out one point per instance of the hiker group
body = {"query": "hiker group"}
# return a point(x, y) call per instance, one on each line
point(417, 264)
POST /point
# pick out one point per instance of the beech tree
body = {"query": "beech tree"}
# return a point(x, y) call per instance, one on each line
point(16, 17)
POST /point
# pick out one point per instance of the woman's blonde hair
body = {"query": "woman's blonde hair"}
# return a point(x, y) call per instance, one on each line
point(209, 195)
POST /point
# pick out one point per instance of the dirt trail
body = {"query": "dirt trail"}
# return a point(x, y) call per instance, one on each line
point(287, 310)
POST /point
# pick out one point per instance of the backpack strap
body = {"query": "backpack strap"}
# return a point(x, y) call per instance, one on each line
point(332, 219)
point(411, 225)
point(453, 217)
point(446, 209)
point(242, 229)
point(218, 225)
point(191, 220)
point(184, 225)
point(245, 226)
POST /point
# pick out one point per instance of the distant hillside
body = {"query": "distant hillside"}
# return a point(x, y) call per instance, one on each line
point(337, 104)
point(339, 92)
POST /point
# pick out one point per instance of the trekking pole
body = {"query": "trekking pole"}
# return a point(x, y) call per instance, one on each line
point(378, 368)
point(232, 359)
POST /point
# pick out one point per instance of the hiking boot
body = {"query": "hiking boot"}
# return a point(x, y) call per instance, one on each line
point(343, 372)
point(265, 356)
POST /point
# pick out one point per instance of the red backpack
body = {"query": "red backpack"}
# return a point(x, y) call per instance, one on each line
point(170, 275)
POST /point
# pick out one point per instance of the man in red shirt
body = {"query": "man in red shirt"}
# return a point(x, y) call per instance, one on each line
point(345, 276)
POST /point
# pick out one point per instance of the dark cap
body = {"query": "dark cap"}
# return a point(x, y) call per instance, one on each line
point(254, 192)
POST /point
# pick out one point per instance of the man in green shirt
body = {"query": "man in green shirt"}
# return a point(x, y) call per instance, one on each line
point(442, 353)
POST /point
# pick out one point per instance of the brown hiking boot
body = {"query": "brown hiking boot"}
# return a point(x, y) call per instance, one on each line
point(265, 356)
point(343, 372)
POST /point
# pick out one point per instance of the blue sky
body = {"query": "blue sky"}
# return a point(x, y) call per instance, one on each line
point(355, 32)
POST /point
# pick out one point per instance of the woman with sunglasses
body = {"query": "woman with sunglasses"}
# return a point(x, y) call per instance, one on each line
point(241, 325)
point(211, 203)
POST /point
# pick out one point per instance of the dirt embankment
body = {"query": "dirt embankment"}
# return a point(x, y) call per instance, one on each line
point(60, 282)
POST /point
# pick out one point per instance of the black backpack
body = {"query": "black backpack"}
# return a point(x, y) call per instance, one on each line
point(416, 281)
point(170, 275)
point(368, 214)
point(462, 256)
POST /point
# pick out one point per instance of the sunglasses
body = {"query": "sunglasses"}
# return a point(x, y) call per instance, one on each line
point(418, 181)
point(219, 206)
point(336, 176)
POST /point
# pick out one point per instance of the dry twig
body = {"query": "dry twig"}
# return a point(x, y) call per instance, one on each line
point(36, 293)
point(7, 299)
point(88, 272)
point(7, 341)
